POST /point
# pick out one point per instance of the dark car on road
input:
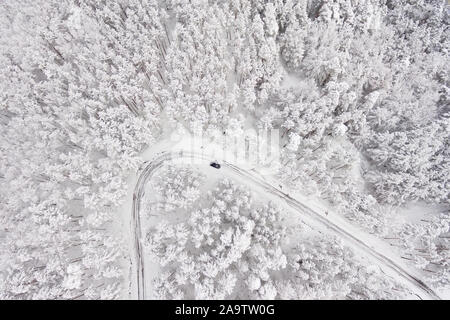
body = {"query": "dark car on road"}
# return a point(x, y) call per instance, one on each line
point(215, 165)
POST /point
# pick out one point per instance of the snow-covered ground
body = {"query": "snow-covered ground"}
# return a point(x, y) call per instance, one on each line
point(370, 249)
point(335, 110)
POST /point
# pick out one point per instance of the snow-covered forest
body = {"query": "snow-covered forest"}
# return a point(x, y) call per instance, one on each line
point(227, 244)
point(91, 90)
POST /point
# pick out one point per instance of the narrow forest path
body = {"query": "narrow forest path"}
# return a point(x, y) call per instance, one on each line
point(364, 244)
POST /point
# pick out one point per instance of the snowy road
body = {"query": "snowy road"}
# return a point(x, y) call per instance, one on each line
point(366, 245)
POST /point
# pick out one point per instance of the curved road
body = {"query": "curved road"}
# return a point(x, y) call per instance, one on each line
point(418, 286)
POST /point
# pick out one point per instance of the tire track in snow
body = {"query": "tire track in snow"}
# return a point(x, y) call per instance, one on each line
point(153, 165)
point(138, 193)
